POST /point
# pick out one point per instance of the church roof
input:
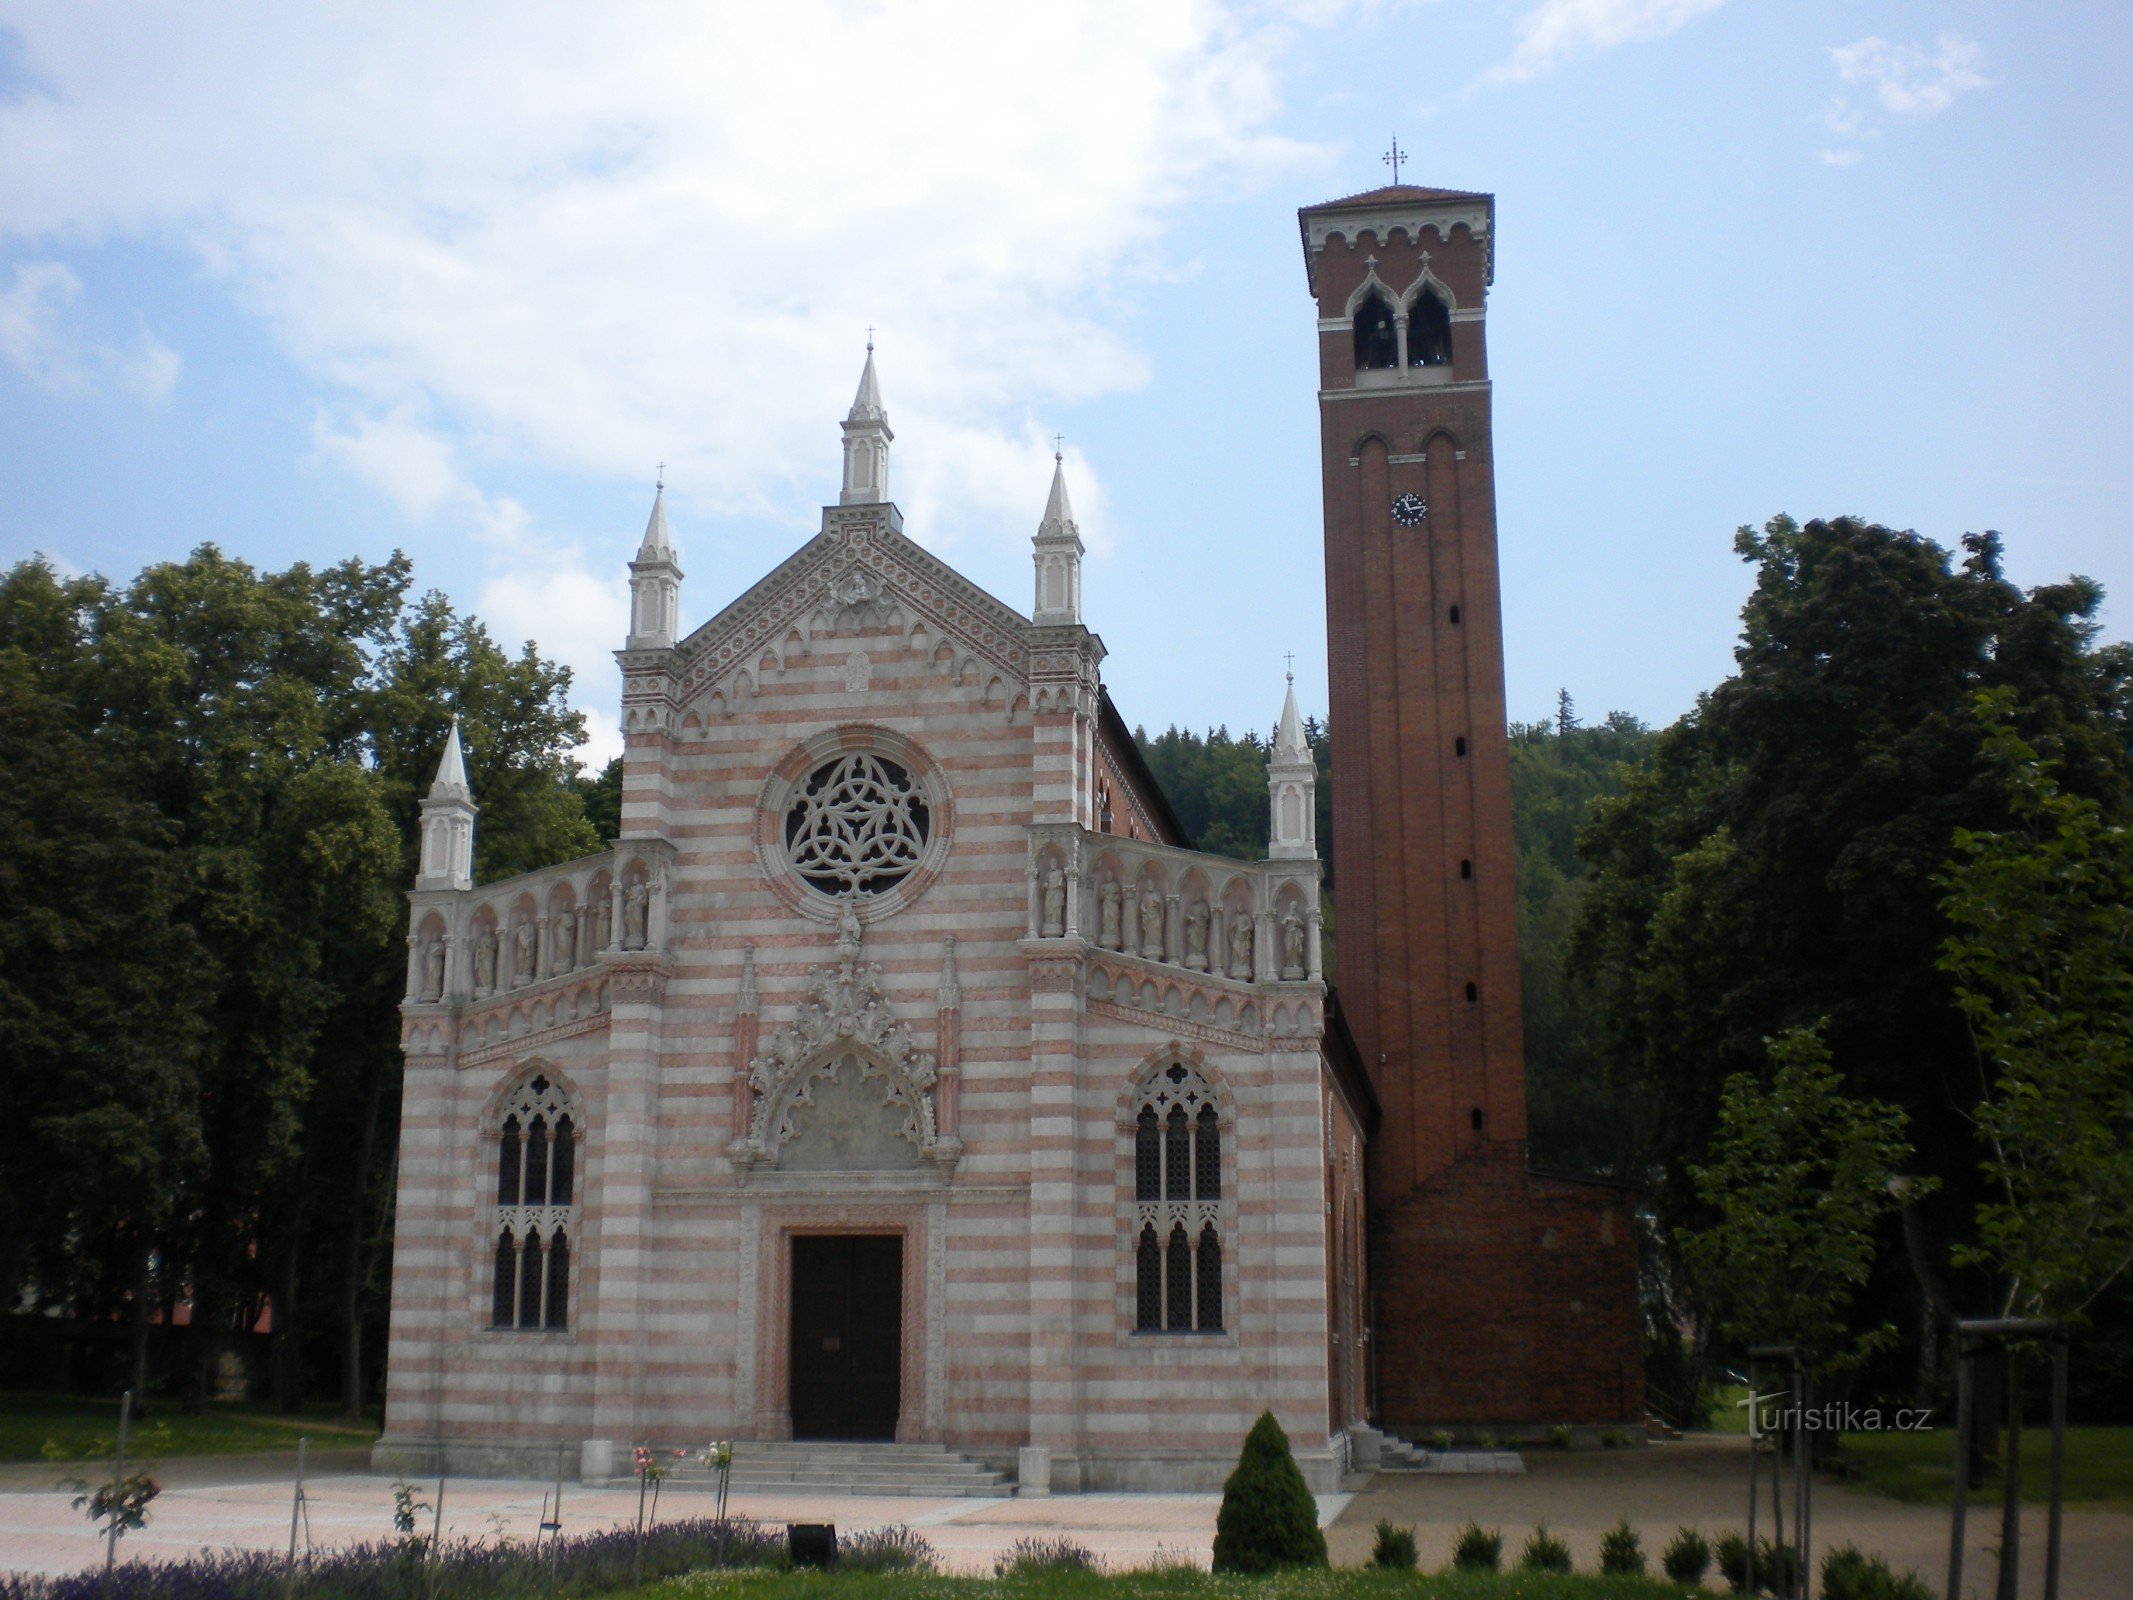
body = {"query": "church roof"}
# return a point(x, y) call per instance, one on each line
point(1395, 194)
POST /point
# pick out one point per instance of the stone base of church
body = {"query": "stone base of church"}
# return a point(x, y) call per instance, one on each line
point(1085, 1472)
point(1506, 1299)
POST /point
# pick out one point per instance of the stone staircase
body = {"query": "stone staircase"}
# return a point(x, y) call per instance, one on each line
point(816, 1466)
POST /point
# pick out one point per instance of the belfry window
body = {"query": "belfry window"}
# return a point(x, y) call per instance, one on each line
point(536, 1213)
point(1377, 339)
point(1177, 1205)
point(1429, 332)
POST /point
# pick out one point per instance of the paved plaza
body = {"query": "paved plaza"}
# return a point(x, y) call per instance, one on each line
point(244, 1503)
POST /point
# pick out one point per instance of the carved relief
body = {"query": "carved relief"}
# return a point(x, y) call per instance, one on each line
point(845, 1049)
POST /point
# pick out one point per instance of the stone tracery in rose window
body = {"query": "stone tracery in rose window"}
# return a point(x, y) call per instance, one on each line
point(857, 824)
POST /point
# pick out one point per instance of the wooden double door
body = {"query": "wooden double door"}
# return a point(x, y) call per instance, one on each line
point(847, 1335)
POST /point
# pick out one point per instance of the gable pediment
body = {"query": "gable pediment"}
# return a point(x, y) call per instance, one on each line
point(860, 573)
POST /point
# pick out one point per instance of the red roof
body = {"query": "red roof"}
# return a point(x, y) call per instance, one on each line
point(1397, 194)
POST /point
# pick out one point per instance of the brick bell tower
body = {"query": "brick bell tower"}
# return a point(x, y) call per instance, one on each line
point(1502, 1296)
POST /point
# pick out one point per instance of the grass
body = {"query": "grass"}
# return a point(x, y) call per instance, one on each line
point(80, 1426)
point(1920, 1467)
point(1174, 1583)
point(1728, 1413)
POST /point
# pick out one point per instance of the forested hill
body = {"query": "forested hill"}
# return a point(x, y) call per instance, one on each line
point(1217, 783)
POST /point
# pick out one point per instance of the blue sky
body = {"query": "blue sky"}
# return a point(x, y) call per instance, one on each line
point(339, 279)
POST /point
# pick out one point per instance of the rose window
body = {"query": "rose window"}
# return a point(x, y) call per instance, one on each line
point(857, 824)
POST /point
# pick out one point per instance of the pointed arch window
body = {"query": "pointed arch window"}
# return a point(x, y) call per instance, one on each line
point(1177, 1204)
point(1377, 337)
point(536, 1212)
point(1429, 331)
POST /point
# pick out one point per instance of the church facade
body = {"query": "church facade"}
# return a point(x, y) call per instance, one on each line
point(904, 1074)
point(901, 1074)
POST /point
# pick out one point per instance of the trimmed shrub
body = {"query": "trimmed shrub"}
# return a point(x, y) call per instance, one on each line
point(1687, 1557)
point(1441, 1439)
point(895, 1549)
point(1544, 1552)
point(1478, 1550)
point(1614, 1439)
point(1559, 1436)
point(1395, 1548)
point(1848, 1574)
point(1777, 1566)
point(1621, 1550)
point(1484, 1440)
point(1268, 1518)
point(1029, 1558)
point(1732, 1553)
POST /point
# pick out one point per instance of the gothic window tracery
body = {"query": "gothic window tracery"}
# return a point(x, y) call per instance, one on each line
point(1177, 1194)
point(536, 1209)
point(857, 824)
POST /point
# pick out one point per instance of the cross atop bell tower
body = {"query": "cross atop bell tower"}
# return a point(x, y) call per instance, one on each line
point(1423, 873)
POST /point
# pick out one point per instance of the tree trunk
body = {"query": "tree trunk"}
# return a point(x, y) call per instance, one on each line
point(143, 1301)
point(358, 1259)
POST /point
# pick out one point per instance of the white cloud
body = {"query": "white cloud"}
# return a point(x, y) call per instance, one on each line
point(1897, 81)
point(578, 618)
point(663, 236)
point(34, 341)
point(1556, 30)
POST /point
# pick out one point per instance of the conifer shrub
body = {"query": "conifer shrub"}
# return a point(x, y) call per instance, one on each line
point(1478, 1549)
point(1544, 1552)
point(1268, 1518)
point(1621, 1550)
point(1848, 1574)
point(1732, 1554)
point(1687, 1557)
point(1395, 1548)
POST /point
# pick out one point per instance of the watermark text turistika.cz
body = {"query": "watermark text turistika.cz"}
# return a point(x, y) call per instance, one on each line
point(1765, 1417)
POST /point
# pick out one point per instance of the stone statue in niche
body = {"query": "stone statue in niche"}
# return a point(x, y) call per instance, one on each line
point(604, 923)
point(1196, 936)
point(1292, 946)
point(566, 940)
point(1152, 922)
point(523, 943)
point(433, 969)
point(636, 915)
point(1240, 945)
point(1054, 924)
point(485, 951)
point(1107, 926)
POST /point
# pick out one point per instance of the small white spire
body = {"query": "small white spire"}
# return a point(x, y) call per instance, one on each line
point(451, 781)
point(1292, 788)
point(658, 542)
point(1289, 742)
point(448, 823)
point(655, 580)
point(1057, 552)
point(866, 441)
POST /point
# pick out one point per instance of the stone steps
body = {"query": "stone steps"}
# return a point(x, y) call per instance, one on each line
point(827, 1467)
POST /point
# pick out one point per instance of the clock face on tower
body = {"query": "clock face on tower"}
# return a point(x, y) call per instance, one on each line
point(1409, 510)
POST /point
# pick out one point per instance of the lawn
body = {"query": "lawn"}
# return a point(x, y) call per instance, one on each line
point(1920, 1467)
point(1343, 1583)
point(79, 1426)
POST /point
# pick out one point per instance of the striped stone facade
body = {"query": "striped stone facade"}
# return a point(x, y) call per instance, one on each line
point(998, 1016)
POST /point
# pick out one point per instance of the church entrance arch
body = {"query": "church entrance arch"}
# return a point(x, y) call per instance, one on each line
point(845, 1362)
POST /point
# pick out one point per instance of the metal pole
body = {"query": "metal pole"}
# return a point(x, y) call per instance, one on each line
point(1804, 1517)
point(2010, 1584)
point(437, 1533)
point(1754, 1466)
point(296, 1510)
point(118, 1477)
point(1777, 1514)
point(2051, 1526)
point(1959, 1499)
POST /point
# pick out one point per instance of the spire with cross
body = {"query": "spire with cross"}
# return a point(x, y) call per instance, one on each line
point(1393, 157)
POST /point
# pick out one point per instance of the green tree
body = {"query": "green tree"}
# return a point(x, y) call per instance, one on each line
point(2042, 957)
point(1778, 860)
point(1797, 1180)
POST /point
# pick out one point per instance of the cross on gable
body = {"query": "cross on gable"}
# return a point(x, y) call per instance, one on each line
point(1393, 157)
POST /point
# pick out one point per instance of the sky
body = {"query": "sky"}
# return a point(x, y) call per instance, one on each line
point(339, 279)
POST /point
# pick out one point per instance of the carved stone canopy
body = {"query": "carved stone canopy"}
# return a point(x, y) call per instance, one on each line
point(845, 1036)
